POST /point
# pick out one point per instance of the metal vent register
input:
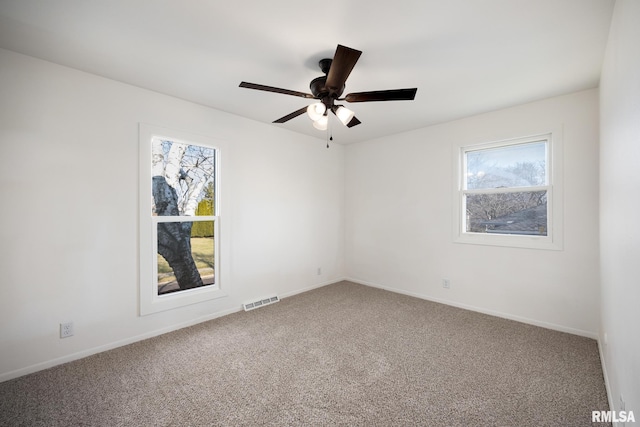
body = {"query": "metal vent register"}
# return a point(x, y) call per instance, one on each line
point(260, 303)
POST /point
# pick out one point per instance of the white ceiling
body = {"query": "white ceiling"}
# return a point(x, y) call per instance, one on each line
point(464, 56)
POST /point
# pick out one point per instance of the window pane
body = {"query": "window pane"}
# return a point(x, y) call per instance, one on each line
point(523, 213)
point(519, 165)
point(183, 178)
point(186, 257)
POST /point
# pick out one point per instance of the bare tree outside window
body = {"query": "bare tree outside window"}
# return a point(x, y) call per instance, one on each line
point(505, 189)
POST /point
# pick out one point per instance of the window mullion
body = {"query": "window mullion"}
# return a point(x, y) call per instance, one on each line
point(502, 190)
point(184, 218)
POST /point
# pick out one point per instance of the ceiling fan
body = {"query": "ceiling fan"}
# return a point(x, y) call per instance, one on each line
point(327, 90)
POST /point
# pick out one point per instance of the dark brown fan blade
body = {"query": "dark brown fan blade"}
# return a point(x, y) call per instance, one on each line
point(353, 122)
point(343, 62)
point(275, 89)
point(291, 116)
point(382, 95)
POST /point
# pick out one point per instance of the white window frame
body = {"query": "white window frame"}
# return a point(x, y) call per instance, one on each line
point(554, 238)
point(150, 301)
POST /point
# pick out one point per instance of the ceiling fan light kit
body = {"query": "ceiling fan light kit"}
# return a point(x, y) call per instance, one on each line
point(321, 123)
point(315, 111)
point(328, 88)
point(344, 114)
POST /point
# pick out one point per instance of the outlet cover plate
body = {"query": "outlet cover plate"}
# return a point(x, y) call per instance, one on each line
point(66, 329)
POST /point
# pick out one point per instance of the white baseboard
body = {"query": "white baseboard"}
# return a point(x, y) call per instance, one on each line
point(308, 288)
point(607, 386)
point(547, 325)
point(110, 346)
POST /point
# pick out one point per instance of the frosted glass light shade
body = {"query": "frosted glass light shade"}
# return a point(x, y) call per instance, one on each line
point(316, 111)
point(344, 114)
point(321, 123)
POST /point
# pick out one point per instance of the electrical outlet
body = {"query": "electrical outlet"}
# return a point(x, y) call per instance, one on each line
point(319, 271)
point(66, 329)
point(446, 283)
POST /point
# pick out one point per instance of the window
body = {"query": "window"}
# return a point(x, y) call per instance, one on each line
point(179, 219)
point(506, 194)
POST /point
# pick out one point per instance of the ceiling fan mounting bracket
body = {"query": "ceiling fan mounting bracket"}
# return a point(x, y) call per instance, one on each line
point(325, 64)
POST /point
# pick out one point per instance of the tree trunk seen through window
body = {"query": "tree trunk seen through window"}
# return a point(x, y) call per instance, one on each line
point(174, 238)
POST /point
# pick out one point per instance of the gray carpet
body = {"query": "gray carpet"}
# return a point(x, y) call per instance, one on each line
point(344, 354)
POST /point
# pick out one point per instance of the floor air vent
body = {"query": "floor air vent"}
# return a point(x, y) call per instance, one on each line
point(260, 303)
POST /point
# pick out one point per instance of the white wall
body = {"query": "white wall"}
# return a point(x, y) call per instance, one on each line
point(399, 195)
point(69, 215)
point(620, 206)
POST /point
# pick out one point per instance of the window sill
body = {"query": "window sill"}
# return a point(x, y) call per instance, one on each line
point(510, 240)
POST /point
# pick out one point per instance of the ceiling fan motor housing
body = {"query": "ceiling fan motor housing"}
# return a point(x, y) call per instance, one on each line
point(319, 87)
